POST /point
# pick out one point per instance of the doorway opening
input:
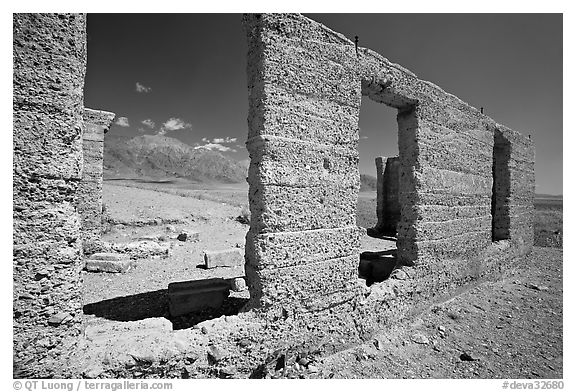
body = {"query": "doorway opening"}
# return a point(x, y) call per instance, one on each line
point(500, 187)
point(378, 207)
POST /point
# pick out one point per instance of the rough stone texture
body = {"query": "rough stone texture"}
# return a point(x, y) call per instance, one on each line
point(466, 191)
point(387, 195)
point(135, 250)
point(96, 124)
point(49, 54)
point(465, 181)
point(186, 297)
point(108, 262)
point(223, 258)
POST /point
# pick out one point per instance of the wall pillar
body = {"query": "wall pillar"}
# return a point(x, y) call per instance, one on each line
point(387, 195)
point(302, 250)
point(96, 124)
point(49, 67)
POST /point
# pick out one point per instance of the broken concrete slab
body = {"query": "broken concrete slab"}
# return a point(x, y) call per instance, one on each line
point(190, 296)
point(223, 258)
point(108, 262)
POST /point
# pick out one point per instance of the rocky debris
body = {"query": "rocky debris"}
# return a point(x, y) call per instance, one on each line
point(187, 297)
point(536, 287)
point(135, 250)
point(399, 274)
point(223, 258)
point(92, 371)
point(466, 357)
point(188, 236)
point(59, 318)
point(419, 338)
point(215, 354)
point(108, 262)
point(238, 284)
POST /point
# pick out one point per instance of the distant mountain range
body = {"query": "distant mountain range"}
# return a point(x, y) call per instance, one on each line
point(153, 156)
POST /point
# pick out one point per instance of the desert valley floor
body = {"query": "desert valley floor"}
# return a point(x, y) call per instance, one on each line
point(510, 328)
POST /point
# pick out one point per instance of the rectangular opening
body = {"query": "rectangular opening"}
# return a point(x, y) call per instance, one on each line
point(381, 198)
point(500, 187)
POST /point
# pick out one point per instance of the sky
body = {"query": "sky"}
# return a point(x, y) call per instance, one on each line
point(184, 75)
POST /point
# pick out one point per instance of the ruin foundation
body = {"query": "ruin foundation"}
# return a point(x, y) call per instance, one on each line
point(465, 192)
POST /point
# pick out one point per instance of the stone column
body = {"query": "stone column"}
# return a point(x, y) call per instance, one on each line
point(49, 67)
point(96, 124)
point(387, 195)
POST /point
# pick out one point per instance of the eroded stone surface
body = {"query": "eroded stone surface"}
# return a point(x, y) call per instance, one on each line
point(465, 194)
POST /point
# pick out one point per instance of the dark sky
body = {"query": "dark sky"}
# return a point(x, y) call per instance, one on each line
point(190, 70)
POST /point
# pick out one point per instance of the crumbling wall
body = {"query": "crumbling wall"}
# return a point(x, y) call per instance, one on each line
point(96, 124)
point(387, 195)
point(305, 84)
point(303, 245)
point(49, 66)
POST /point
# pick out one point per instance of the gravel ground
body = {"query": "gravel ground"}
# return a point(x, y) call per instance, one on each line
point(511, 328)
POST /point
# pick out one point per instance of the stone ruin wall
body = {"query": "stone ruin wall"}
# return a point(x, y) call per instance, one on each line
point(387, 195)
point(49, 67)
point(302, 250)
point(305, 87)
point(97, 124)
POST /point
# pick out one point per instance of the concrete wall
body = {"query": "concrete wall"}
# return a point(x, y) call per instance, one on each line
point(49, 66)
point(305, 85)
point(387, 195)
point(90, 192)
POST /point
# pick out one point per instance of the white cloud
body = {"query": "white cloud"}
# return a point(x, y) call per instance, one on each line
point(140, 88)
point(215, 146)
point(224, 140)
point(205, 140)
point(173, 124)
point(122, 121)
point(149, 123)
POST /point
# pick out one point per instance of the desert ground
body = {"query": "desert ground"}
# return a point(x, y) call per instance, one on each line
point(509, 328)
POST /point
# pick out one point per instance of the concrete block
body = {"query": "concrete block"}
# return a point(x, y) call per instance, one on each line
point(191, 296)
point(108, 262)
point(223, 258)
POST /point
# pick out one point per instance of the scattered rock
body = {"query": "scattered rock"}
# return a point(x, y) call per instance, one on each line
point(466, 357)
point(399, 275)
point(59, 318)
point(215, 354)
point(170, 229)
point(441, 328)
point(223, 258)
point(108, 262)
point(379, 344)
point(313, 369)
point(244, 342)
point(238, 284)
point(93, 371)
point(26, 296)
point(419, 338)
point(188, 236)
point(536, 287)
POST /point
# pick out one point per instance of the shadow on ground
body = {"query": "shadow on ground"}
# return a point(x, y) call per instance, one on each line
point(155, 304)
